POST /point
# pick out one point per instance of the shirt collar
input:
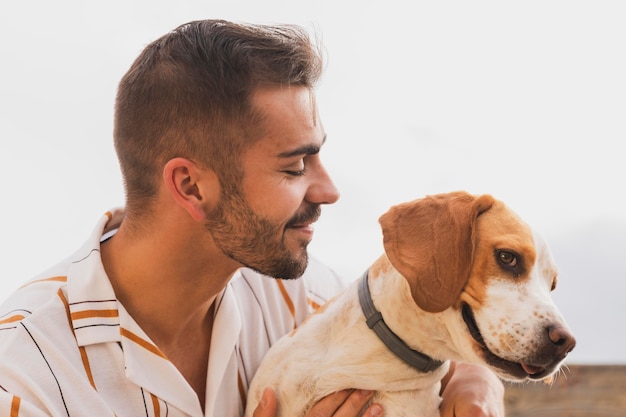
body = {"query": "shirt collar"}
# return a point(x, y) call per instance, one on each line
point(92, 303)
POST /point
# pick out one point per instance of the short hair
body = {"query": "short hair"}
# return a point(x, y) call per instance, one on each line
point(188, 95)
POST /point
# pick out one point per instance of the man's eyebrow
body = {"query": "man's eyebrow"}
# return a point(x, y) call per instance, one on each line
point(302, 150)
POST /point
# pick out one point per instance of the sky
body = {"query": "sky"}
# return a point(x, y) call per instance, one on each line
point(522, 100)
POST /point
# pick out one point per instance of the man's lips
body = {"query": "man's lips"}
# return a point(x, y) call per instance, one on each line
point(306, 229)
point(305, 219)
point(306, 226)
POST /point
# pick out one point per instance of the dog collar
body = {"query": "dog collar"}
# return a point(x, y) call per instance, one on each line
point(375, 321)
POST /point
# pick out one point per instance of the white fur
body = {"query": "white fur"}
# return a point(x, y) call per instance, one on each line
point(334, 349)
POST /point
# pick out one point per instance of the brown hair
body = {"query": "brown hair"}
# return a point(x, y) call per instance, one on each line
point(187, 95)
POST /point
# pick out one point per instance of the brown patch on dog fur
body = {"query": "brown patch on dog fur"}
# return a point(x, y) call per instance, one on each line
point(430, 241)
point(498, 229)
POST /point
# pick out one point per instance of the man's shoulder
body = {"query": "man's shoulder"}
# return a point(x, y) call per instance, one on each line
point(33, 298)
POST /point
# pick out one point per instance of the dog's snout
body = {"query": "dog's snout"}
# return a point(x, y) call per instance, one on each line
point(562, 339)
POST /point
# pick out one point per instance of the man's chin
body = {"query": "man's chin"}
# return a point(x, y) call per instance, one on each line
point(288, 266)
point(294, 268)
point(291, 267)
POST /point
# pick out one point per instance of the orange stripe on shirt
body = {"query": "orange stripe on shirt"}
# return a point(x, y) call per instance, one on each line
point(15, 406)
point(288, 300)
point(85, 314)
point(141, 342)
point(83, 353)
point(59, 279)
point(12, 319)
point(155, 405)
point(87, 366)
point(315, 306)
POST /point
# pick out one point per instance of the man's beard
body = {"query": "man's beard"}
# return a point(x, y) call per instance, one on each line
point(255, 241)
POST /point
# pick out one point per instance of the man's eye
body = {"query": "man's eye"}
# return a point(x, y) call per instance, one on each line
point(296, 173)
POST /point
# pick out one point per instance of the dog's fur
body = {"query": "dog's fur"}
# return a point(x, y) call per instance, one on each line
point(463, 278)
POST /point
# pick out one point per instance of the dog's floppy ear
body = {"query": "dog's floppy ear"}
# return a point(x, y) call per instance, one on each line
point(431, 243)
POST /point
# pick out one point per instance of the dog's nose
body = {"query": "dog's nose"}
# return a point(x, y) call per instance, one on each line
point(562, 339)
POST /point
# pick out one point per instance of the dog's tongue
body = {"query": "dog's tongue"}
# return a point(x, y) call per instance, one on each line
point(530, 369)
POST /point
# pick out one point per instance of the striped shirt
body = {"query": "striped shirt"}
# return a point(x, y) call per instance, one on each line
point(69, 348)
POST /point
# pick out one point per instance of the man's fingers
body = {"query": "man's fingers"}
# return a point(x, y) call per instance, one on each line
point(327, 406)
point(267, 405)
point(346, 403)
point(355, 403)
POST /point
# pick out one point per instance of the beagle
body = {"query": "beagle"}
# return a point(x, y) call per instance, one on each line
point(462, 278)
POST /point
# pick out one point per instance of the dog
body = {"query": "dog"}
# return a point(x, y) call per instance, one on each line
point(462, 278)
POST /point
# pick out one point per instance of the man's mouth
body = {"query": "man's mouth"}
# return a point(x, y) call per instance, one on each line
point(516, 370)
point(305, 228)
point(305, 219)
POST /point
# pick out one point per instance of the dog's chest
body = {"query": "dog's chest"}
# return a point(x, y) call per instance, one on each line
point(335, 350)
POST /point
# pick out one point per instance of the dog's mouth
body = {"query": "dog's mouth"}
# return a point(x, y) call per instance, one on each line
point(516, 370)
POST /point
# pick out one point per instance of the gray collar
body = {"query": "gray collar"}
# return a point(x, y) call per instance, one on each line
point(374, 320)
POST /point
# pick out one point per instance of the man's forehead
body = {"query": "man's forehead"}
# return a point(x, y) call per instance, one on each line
point(271, 96)
point(289, 121)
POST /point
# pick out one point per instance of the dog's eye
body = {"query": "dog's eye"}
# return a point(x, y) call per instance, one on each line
point(510, 261)
point(507, 258)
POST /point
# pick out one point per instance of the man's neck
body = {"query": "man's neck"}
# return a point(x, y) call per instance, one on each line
point(169, 289)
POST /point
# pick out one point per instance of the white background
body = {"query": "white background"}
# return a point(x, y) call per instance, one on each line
point(522, 100)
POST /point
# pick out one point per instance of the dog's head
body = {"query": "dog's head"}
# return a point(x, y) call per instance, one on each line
point(477, 260)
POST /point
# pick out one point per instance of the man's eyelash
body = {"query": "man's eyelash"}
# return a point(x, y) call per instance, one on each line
point(296, 173)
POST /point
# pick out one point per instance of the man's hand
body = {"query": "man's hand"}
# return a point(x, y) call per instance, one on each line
point(267, 405)
point(346, 403)
point(471, 391)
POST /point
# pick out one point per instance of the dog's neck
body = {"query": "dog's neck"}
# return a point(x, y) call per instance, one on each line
point(376, 322)
point(391, 295)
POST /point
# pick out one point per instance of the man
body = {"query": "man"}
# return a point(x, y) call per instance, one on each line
point(219, 139)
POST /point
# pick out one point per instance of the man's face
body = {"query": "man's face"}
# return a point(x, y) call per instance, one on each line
point(268, 224)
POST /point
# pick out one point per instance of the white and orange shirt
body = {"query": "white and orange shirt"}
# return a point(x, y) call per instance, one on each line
point(69, 348)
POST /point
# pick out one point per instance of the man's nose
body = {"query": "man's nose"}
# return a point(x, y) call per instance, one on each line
point(322, 189)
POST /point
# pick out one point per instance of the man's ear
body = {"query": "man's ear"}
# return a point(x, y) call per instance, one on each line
point(192, 187)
